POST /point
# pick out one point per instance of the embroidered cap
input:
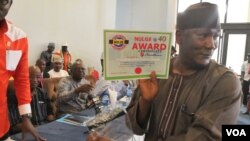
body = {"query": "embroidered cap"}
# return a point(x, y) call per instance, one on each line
point(65, 44)
point(200, 15)
point(56, 57)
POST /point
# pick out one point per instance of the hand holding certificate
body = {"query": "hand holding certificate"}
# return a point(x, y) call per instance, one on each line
point(134, 55)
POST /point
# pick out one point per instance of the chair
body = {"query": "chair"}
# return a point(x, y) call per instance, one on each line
point(50, 86)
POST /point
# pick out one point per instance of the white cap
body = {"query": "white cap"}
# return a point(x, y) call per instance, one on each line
point(65, 44)
point(56, 58)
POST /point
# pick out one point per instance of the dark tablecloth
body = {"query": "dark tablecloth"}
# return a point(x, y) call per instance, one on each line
point(58, 131)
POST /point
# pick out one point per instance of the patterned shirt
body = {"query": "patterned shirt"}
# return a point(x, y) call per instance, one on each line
point(67, 100)
point(191, 107)
point(54, 74)
point(40, 106)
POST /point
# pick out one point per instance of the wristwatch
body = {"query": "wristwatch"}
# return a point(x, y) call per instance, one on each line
point(29, 115)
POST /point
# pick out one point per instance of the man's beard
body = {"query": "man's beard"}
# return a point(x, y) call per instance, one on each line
point(197, 66)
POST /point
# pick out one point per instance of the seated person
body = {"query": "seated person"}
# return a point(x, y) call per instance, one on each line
point(40, 63)
point(40, 104)
point(73, 91)
point(57, 70)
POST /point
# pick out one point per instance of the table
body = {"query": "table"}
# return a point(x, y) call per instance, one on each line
point(57, 131)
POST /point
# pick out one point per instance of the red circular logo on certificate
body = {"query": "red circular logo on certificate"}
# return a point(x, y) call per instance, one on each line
point(138, 70)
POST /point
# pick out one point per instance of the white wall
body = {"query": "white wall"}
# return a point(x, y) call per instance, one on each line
point(78, 22)
point(248, 19)
point(81, 23)
point(146, 15)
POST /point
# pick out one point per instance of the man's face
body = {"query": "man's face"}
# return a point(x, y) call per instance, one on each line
point(4, 8)
point(64, 48)
point(197, 46)
point(79, 72)
point(41, 65)
point(51, 48)
point(35, 77)
point(57, 66)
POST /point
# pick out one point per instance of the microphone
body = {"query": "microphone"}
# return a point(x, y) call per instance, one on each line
point(91, 103)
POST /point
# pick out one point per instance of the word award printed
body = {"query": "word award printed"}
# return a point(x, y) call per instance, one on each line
point(135, 54)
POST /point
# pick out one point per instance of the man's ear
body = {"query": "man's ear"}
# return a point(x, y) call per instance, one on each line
point(178, 37)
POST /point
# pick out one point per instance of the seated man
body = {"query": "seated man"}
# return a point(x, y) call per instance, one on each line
point(40, 63)
point(57, 70)
point(40, 104)
point(73, 91)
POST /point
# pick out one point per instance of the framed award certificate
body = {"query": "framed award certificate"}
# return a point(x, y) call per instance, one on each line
point(135, 54)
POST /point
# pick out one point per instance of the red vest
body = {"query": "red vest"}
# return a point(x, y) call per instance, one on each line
point(13, 38)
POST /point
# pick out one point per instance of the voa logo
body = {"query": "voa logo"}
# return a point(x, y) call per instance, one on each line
point(236, 132)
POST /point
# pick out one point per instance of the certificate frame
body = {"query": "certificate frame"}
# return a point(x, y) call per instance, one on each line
point(135, 54)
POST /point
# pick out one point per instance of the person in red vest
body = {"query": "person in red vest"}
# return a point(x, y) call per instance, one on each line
point(66, 57)
point(14, 63)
